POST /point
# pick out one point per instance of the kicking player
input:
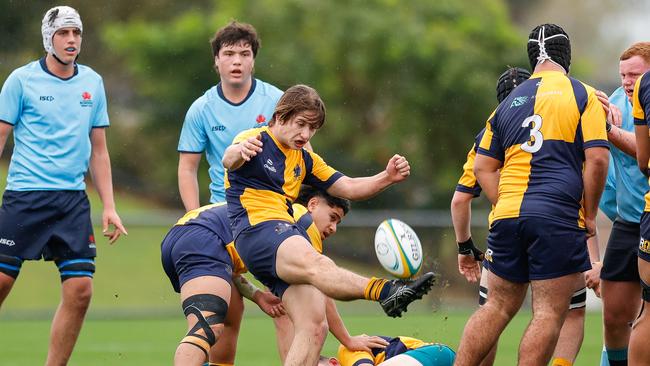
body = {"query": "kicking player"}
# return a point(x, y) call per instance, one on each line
point(639, 353)
point(57, 111)
point(237, 103)
point(542, 161)
point(572, 332)
point(199, 258)
point(265, 169)
point(622, 202)
point(400, 351)
point(318, 214)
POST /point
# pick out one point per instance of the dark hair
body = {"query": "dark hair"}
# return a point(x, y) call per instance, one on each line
point(555, 42)
point(509, 80)
point(232, 34)
point(297, 99)
point(308, 192)
point(641, 49)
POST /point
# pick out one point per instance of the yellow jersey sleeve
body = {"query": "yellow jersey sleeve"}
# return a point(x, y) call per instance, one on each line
point(641, 100)
point(238, 266)
point(303, 219)
point(593, 120)
point(319, 174)
point(351, 358)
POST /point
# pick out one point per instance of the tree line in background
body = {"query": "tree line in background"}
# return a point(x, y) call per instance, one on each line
point(415, 78)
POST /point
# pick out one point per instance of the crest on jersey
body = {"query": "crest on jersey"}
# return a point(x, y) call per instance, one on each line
point(86, 99)
point(296, 172)
point(260, 119)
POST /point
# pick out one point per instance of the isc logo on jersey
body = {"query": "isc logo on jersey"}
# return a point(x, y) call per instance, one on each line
point(398, 248)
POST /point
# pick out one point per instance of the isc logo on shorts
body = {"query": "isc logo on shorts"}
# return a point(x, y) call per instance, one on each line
point(7, 242)
point(644, 245)
point(488, 254)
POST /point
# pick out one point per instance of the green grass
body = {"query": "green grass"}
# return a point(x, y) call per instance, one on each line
point(152, 342)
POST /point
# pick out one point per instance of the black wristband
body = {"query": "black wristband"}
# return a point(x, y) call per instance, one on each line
point(465, 248)
point(608, 126)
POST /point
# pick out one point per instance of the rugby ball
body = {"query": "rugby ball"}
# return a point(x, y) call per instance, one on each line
point(398, 248)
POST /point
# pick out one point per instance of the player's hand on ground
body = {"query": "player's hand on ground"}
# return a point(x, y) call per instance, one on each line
point(110, 217)
point(251, 147)
point(592, 277)
point(398, 168)
point(365, 343)
point(269, 303)
point(469, 267)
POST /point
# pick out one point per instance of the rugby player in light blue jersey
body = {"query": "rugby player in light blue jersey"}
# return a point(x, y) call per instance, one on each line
point(239, 102)
point(57, 111)
point(622, 202)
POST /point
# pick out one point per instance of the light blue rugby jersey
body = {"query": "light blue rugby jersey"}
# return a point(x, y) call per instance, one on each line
point(630, 185)
point(212, 122)
point(52, 119)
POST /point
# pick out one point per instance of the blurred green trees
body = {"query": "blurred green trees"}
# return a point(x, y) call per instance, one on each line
point(415, 78)
point(411, 77)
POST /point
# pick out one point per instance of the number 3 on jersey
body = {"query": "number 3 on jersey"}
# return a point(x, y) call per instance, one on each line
point(536, 138)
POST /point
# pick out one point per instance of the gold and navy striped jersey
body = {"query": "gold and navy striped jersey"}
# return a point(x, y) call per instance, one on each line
point(396, 346)
point(304, 220)
point(215, 218)
point(641, 112)
point(264, 188)
point(539, 133)
point(467, 182)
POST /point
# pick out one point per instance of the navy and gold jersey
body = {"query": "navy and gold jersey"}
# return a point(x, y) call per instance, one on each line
point(467, 182)
point(396, 346)
point(214, 217)
point(641, 112)
point(264, 188)
point(304, 220)
point(539, 133)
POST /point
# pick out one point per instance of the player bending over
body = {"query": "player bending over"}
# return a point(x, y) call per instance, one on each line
point(200, 260)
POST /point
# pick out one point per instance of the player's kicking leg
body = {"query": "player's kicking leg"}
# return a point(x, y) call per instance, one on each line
point(639, 352)
point(298, 262)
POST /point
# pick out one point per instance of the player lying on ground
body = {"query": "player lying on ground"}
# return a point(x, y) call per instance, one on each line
point(402, 351)
point(265, 169)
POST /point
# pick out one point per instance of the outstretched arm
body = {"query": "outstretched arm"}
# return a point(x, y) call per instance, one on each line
point(337, 328)
point(265, 300)
point(461, 216)
point(100, 169)
point(397, 170)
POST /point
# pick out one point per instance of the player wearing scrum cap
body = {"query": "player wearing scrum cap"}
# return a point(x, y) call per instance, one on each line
point(57, 112)
point(542, 162)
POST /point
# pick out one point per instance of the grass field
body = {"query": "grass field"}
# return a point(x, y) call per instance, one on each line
point(152, 341)
point(135, 317)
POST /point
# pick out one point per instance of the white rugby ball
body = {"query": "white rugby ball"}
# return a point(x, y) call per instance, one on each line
point(398, 248)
